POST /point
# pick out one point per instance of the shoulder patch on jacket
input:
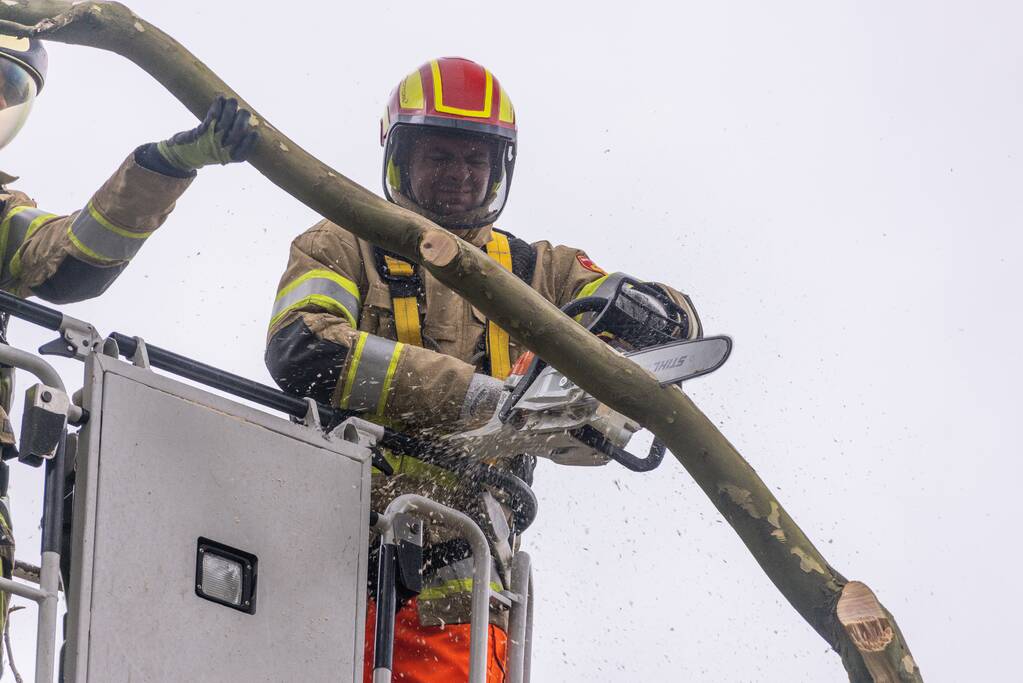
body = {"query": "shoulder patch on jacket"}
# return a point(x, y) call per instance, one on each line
point(588, 264)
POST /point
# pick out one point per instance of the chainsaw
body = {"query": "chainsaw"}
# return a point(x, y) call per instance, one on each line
point(543, 413)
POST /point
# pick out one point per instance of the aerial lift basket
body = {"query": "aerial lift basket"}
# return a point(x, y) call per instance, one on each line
point(210, 540)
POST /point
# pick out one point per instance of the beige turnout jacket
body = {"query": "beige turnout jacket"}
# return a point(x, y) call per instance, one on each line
point(333, 335)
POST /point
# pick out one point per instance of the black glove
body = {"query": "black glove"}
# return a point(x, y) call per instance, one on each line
point(225, 136)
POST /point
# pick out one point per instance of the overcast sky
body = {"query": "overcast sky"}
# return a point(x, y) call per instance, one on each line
point(837, 185)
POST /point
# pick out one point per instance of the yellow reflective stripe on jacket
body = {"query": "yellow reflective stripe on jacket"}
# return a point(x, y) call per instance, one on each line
point(385, 391)
point(498, 350)
point(5, 229)
point(37, 223)
point(370, 373)
point(320, 287)
point(20, 224)
point(453, 587)
point(94, 235)
point(353, 368)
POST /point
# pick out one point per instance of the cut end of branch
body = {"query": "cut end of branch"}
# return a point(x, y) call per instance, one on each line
point(863, 618)
point(874, 634)
point(438, 247)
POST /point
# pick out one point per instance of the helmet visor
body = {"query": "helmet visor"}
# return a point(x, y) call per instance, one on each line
point(457, 179)
point(17, 92)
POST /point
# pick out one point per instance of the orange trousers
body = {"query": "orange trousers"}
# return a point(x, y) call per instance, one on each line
point(433, 654)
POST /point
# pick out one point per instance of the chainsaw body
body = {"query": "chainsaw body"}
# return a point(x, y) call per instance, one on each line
point(543, 413)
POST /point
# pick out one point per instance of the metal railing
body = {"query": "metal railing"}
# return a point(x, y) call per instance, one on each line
point(53, 510)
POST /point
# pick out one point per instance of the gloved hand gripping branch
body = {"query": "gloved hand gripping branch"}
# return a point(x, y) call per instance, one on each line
point(225, 136)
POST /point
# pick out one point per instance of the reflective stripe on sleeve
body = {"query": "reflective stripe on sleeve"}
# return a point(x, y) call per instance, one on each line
point(324, 288)
point(96, 237)
point(21, 222)
point(370, 373)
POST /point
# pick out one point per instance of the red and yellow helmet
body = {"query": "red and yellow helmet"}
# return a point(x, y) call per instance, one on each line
point(458, 101)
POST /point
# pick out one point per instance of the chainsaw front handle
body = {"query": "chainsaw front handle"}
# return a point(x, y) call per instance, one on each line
point(594, 439)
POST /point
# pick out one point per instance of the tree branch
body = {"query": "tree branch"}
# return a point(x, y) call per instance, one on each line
point(835, 608)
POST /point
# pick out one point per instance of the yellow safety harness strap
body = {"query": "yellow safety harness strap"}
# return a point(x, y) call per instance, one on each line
point(404, 283)
point(404, 299)
point(406, 320)
point(398, 268)
point(498, 350)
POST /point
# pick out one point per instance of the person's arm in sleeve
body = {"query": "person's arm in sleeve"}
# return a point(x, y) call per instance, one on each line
point(71, 258)
point(314, 346)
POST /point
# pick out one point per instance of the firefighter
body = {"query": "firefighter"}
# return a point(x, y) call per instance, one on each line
point(363, 329)
point(70, 258)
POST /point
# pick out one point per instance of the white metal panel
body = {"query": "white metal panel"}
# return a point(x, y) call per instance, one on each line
point(174, 463)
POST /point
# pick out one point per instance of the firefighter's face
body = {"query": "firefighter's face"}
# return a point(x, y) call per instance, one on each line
point(449, 173)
